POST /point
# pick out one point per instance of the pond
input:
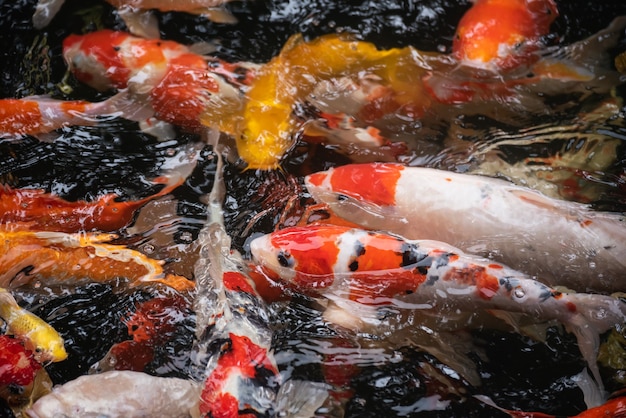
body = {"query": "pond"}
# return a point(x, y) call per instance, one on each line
point(374, 377)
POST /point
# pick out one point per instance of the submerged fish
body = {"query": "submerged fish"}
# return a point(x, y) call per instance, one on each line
point(25, 255)
point(120, 394)
point(137, 13)
point(499, 35)
point(38, 210)
point(358, 268)
point(38, 337)
point(562, 243)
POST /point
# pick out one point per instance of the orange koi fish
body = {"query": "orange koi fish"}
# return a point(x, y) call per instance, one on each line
point(241, 378)
point(37, 115)
point(563, 243)
point(358, 268)
point(499, 35)
point(25, 255)
point(17, 364)
point(38, 210)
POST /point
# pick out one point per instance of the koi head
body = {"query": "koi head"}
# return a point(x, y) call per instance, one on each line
point(501, 35)
point(364, 191)
point(359, 264)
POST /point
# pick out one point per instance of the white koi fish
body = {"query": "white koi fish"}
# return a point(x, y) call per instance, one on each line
point(357, 269)
point(562, 243)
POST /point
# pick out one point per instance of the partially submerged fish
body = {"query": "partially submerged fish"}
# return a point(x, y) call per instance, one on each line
point(17, 364)
point(562, 243)
point(499, 35)
point(37, 210)
point(241, 377)
point(160, 83)
point(270, 126)
point(137, 13)
point(53, 256)
point(364, 270)
point(44, 341)
point(120, 394)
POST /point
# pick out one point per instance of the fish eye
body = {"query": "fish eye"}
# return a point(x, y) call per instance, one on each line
point(342, 197)
point(285, 259)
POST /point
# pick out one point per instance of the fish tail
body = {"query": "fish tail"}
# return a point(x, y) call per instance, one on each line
point(593, 315)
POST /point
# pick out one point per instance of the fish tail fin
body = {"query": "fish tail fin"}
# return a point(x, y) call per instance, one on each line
point(45, 12)
point(594, 315)
point(300, 398)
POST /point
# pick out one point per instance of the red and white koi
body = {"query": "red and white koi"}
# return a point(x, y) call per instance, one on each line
point(232, 328)
point(159, 79)
point(356, 267)
point(562, 243)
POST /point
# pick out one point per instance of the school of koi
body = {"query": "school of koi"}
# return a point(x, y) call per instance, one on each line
point(397, 242)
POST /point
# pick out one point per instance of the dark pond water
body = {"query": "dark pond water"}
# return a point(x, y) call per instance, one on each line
point(114, 157)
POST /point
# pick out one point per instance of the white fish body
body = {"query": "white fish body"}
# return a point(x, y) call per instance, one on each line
point(561, 243)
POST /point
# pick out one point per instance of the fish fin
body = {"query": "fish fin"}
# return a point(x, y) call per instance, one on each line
point(591, 393)
point(218, 15)
point(124, 104)
point(300, 398)
point(535, 331)
point(595, 314)
point(47, 137)
point(141, 23)
point(159, 129)
point(203, 48)
point(45, 12)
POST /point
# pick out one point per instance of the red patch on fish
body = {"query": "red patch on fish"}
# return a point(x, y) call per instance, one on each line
point(17, 365)
point(237, 282)
point(375, 183)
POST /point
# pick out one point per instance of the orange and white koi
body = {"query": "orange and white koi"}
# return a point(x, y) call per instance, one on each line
point(137, 14)
point(356, 267)
point(36, 115)
point(158, 79)
point(563, 243)
point(177, 83)
point(499, 35)
point(37, 210)
point(48, 255)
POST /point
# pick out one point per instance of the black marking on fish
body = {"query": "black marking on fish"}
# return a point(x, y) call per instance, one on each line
point(411, 256)
point(354, 266)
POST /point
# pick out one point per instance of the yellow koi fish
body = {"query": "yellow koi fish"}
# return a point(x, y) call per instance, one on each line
point(39, 337)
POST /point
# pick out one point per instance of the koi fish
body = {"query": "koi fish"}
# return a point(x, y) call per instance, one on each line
point(152, 324)
point(167, 77)
point(38, 337)
point(358, 268)
point(562, 243)
point(17, 364)
point(25, 255)
point(38, 115)
point(241, 377)
point(137, 14)
point(38, 210)
point(499, 35)
point(269, 126)
point(160, 83)
point(120, 394)
point(614, 408)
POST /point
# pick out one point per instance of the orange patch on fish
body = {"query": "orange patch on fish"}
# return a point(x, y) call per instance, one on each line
point(375, 183)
